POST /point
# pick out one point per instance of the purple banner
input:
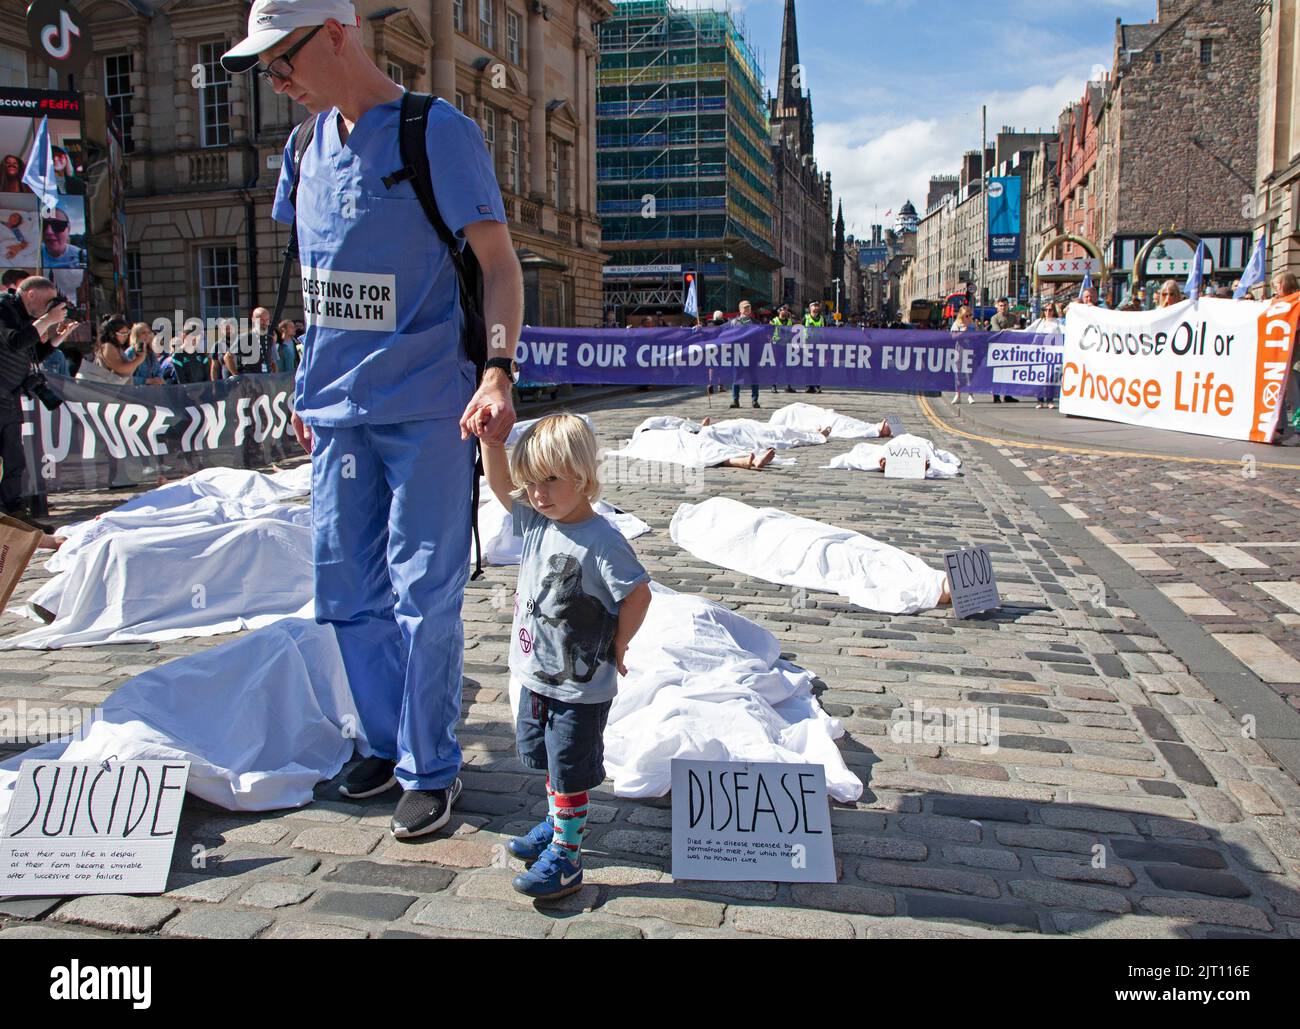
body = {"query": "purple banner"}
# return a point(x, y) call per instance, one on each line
point(889, 360)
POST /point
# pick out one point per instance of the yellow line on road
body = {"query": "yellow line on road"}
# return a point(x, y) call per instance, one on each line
point(939, 423)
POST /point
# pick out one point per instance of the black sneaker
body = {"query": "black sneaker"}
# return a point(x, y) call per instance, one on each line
point(791, 389)
point(735, 403)
point(757, 404)
point(373, 775)
point(420, 812)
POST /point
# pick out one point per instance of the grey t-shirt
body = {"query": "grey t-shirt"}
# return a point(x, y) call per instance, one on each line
point(572, 579)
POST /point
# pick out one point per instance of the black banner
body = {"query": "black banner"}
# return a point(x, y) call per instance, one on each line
point(106, 436)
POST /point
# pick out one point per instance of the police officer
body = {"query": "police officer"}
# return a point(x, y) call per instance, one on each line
point(385, 398)
point(814, 317)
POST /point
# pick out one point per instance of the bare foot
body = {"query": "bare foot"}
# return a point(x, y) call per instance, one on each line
point(882, 464)
point(945, 597)
point(707, 421)
point(885, 430)
point(826, 432)
point(49, 542)
point(766, 459)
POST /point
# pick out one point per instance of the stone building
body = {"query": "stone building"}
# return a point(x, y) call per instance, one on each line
point(1178, 136)
point(801, 197)
point(1042, 202)
point(1277, 205)
point(204, 147)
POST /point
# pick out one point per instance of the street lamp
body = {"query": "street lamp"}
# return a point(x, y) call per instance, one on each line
point(837, 296)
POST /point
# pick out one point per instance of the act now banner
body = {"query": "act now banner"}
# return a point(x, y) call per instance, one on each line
point(887, 360)
point(1213, 367)
point(105, 436)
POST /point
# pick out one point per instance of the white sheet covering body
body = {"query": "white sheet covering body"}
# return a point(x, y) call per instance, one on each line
point(865, 457)
point(779, 547)
point(262, 718)
point(704, 682)
point(502, 547)
point(743, 433)
point(812, 418)
point(519, 428)
point(681, 446)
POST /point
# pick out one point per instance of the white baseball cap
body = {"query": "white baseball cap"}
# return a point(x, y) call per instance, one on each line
point(270, 21)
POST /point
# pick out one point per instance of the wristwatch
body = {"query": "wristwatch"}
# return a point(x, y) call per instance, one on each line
point(504, 363)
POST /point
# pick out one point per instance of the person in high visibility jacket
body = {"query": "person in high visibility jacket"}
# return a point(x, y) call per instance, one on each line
point(814, 317)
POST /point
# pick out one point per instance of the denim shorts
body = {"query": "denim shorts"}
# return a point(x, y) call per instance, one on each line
point(567, 741)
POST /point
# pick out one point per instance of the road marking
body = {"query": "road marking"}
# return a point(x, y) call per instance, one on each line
point(1229, 556)
point(939, 423)
point(1286, 592)
point(1261, 655)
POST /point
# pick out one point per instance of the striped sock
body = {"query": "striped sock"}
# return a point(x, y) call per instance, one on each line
point(570, 817)
point(550, 801)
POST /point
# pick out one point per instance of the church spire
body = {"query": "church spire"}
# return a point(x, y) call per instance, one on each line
point(790, 87)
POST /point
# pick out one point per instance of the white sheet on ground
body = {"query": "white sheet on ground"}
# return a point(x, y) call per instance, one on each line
point(502, 547)
point(169, 581)
point(743, 433)
point(683, 447)
point(812, 418)
point(262, 719)
point(865, 457)
point(706, 683)
point(778, 547)
point(519, 428)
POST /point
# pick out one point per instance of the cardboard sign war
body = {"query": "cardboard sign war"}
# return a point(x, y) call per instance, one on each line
point(91, 827)
point(895, 425)
point(740, 822)
point(971, 579)
point(905, 460)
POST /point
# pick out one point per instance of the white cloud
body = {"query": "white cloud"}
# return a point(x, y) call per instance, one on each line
point(876, 163)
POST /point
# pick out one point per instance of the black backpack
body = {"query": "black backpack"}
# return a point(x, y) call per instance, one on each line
point(469, 274)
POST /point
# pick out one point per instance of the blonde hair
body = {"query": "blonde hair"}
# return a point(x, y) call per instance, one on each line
point(137, 330)
point(562, 445)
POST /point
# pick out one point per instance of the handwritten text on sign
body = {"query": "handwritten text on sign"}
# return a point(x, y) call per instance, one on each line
point(971, 579)
point(90, 827)
point(740, 822)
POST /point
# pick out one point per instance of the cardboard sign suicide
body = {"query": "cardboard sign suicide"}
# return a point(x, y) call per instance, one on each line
point(91, 827)
point(905, 459)
point(1213, 367)
point(735, 821)
point(972, 582)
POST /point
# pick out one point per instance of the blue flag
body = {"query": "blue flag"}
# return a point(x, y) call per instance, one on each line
point(1087, 281)
point(1254, 273)
point(39, 176)
point(692, 304)
point(1193, 289)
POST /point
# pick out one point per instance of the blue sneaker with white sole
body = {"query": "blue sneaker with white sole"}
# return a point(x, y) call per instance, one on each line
point(552, 876)
point(529, 847)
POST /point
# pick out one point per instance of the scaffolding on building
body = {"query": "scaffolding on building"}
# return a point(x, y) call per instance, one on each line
point(684, 169)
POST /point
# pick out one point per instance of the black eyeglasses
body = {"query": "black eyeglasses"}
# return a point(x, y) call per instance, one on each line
point(57, 226)
point(281, 68)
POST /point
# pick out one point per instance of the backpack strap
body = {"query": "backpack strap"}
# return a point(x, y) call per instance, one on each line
point(301, 140)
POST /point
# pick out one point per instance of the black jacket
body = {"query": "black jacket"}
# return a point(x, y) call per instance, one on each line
point(20, 349)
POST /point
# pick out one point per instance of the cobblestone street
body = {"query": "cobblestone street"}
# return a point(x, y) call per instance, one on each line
point(1124, 798)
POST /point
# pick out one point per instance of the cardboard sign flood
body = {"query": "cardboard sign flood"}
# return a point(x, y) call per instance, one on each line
point(972, 581)
point(740, 822)
point(91, 827)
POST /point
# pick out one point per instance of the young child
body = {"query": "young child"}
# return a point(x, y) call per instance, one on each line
point(582, 596)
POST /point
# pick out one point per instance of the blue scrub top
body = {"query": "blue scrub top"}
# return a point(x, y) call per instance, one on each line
point(380, 296)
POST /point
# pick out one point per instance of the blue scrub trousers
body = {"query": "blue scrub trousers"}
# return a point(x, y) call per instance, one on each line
point(391, 537)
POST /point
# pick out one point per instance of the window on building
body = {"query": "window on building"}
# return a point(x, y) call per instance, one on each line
point(490, 131)
point(515, 157)
point(513, 24)
point(119, 94)
point(395, 73)
point(1207, 51)
point(134, 286)
point(555, 173)
point(214, 97)
point(487, 24)
point(219, 282)
point(1158, 57)
point(13, 67)
point(460, 101)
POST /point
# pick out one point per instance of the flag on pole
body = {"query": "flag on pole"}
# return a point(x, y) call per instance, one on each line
point(1193, 289)
point(39, 176)
point(692, 304)
point(1087, 281)
point(1254, 273)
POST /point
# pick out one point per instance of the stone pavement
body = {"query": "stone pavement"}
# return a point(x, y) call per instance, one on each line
point(1123, 799)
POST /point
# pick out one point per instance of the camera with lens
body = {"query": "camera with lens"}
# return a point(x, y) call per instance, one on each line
point(37, 387)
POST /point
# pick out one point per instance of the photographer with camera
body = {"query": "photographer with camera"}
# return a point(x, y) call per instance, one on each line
point(32, 324)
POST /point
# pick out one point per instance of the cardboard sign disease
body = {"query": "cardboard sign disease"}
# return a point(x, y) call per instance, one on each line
point(740, 822)
point(91, 827)
point(1214, 367)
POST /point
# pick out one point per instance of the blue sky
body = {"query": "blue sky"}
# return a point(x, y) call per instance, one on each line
point(897, 85)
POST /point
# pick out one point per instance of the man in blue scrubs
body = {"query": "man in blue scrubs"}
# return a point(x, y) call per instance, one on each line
point(385, 398)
